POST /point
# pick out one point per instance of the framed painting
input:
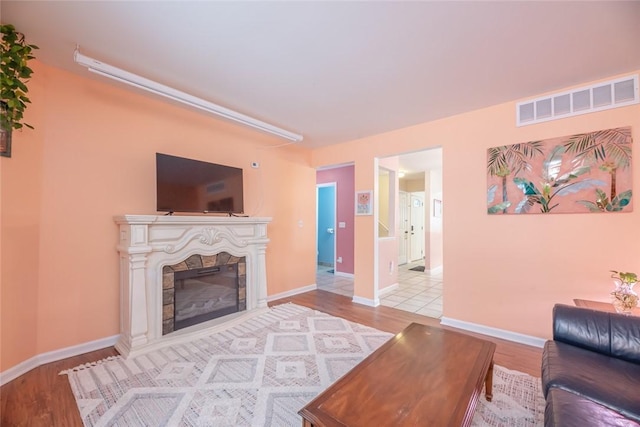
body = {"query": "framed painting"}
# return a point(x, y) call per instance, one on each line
point(583, 173)
point(364, 202)
point(5, 142)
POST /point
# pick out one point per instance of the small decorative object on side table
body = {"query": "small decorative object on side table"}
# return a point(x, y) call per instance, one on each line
point(624, 298)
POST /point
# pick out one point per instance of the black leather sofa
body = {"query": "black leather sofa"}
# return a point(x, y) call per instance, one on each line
point(591, 369)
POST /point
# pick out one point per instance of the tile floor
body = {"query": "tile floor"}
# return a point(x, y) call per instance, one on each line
point(417, 292)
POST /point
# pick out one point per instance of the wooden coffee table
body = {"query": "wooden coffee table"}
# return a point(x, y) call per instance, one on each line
point(421, 377)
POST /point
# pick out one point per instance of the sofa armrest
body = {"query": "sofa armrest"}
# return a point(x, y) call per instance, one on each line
point(625, 337)
point(582, 327)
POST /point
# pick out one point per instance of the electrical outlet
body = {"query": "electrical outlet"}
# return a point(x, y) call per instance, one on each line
point(339, 259)
point(255, 165)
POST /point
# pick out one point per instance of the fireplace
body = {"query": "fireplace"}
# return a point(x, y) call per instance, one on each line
point(219, 263)
point(202, 288)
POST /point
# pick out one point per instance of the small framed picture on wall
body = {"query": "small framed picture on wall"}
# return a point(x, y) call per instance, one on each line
point(364, 202)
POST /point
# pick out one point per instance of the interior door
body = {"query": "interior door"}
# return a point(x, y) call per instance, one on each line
point(403, 235)
point(416, 228)
point(326, 224)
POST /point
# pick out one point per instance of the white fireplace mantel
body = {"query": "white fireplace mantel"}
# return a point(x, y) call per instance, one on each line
point(149, 242)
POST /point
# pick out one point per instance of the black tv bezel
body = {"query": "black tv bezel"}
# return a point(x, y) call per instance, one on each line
point(225, 212)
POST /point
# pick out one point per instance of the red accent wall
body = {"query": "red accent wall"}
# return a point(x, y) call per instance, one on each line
point(345, 212)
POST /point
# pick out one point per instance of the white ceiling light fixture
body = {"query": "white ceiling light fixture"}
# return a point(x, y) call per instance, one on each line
point(156, 88)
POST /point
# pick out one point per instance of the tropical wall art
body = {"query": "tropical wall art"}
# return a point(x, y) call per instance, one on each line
point(588, 172)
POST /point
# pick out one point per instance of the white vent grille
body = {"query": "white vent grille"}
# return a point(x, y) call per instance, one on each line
point(601, 96)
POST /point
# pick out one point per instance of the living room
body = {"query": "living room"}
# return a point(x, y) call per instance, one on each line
point(91, 157)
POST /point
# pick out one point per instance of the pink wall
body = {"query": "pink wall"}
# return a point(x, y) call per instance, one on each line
point(345, 208)
point(92, 157)
point(502, 271)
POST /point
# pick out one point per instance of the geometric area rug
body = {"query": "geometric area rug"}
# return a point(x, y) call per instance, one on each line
point(260, 372)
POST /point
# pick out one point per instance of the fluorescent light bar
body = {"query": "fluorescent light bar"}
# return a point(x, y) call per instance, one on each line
point(156, 88)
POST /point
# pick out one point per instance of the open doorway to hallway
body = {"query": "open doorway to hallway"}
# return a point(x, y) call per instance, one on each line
point(420, 283)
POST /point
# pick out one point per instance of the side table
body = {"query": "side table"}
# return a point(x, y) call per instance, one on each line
point(601, 306)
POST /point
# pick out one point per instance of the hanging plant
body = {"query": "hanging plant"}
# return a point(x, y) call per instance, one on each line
point(16, 53)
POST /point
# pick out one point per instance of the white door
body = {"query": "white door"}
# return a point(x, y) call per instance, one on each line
point(403, 235)
point(416, 228)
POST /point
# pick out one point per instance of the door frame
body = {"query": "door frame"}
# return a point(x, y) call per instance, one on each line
point(421, 236)
point(403, 233)
point(335, 219)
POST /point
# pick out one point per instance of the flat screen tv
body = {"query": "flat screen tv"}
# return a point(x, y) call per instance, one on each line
point(186, 185)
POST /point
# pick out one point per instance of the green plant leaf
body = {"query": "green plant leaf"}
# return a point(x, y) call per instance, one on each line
point(552, 164)
point(491, 193)
point(579, 186)
point(527, 187)
point(589, 205)
point(15, 53)
point(498, 208)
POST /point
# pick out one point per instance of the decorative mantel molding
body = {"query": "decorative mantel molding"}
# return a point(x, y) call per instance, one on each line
point(149, 242)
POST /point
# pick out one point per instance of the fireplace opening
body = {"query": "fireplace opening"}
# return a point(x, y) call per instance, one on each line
point(205, 293)
point(201, 288)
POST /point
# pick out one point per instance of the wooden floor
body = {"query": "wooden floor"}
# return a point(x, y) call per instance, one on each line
point(41, 397)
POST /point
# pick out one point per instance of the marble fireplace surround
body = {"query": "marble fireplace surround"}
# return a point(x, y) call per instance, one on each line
point(147, 243)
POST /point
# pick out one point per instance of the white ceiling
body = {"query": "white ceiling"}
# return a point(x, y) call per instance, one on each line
point(336, 71)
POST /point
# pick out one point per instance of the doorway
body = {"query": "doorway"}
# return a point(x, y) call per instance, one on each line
point(420, 284)
point(326, 224)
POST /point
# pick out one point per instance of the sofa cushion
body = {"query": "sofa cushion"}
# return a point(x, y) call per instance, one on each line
point(566, 409)
point(582, 327)
point(606, 380)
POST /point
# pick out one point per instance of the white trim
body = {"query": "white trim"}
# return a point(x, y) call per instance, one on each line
point(329, 184)
point(341, 274)
point(388, 289)
point(366, 301)
point(292, 292)
point(436, 270)
point(53, 356)
point(20, 369)
point(494, 332)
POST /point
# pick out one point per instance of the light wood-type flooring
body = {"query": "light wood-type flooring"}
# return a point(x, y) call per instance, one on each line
point(43, 398)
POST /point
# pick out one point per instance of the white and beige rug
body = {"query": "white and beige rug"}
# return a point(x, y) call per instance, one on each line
point(258, 373)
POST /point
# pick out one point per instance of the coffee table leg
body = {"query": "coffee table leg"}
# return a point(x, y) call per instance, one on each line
point(489, 383)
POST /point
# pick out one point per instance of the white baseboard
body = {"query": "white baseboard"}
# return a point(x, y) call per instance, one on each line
point(341, 274)
point(366, 301)
point(388, 289)
point(436, 270)
point(292, 292)
point(494, 332)
point(53, 356)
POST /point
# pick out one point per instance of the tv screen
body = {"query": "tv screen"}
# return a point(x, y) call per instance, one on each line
point(186, 185)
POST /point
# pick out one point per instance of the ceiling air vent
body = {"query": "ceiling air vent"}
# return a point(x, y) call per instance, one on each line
point(598, 97)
